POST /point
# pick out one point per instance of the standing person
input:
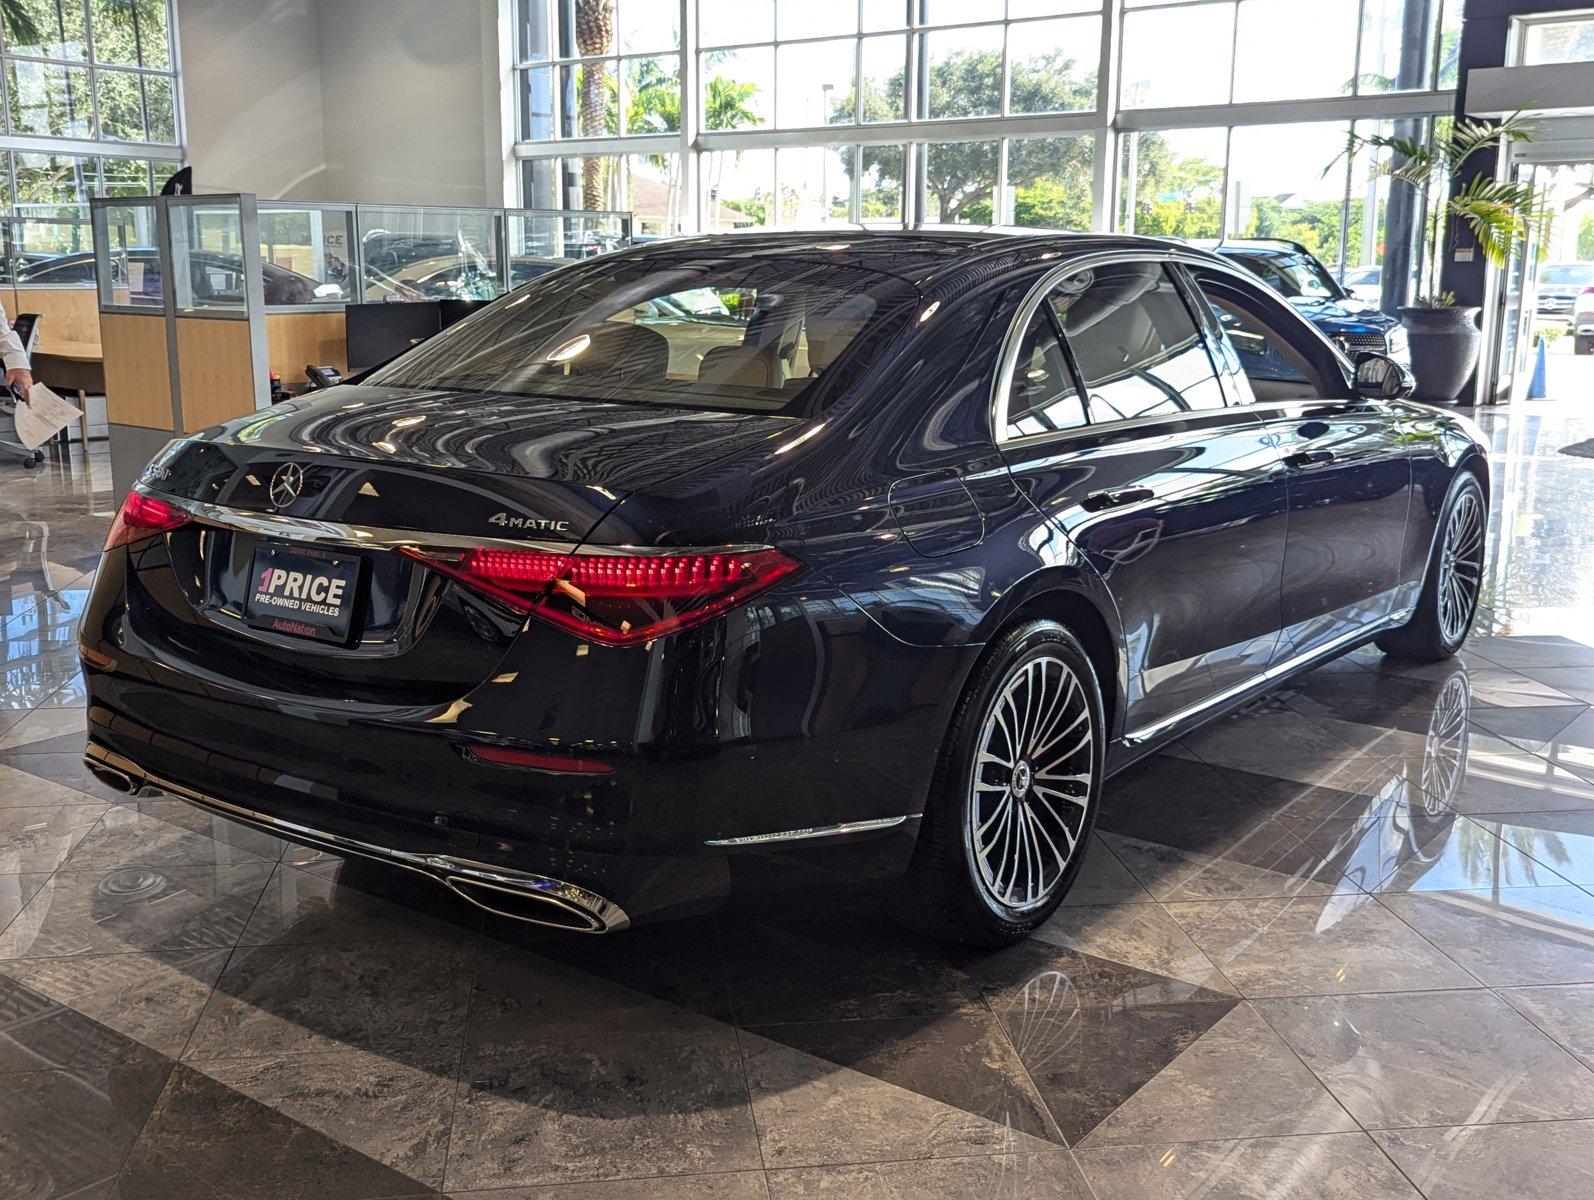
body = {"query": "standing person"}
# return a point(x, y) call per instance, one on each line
point(19, 369)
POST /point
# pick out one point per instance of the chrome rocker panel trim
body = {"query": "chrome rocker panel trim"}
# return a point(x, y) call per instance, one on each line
point(587, 911)
point(1214, 706)
point(818, 831)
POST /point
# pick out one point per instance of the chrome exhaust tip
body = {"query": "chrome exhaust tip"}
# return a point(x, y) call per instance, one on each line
point(518, 895)
point(110, 776)
point(561, 907)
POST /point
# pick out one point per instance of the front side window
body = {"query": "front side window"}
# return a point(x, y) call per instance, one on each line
point(1137, 346)
point(1274, 363)
point(777, 334)
point(1042, 396)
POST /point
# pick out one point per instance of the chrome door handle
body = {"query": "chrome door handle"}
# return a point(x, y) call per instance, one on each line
point(1309, 458)
point(1117, 498)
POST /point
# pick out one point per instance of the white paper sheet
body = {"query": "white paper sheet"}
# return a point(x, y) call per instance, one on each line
point(44, 416)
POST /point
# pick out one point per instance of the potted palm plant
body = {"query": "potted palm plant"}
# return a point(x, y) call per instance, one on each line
point(1501, 216)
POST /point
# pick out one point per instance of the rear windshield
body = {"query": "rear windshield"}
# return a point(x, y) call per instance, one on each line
point(779, 332)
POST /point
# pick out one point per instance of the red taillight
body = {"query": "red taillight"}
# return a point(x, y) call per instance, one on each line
point(616, 599)
point(140, 516)
point(537, 760)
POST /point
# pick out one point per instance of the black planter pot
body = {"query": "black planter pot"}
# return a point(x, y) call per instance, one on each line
point(1444, 350)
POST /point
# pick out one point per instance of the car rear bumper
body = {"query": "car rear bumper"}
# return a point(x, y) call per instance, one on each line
point(520, 894)
point(661, 834)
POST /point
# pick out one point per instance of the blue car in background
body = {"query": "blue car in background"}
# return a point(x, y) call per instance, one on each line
point(1354, 325)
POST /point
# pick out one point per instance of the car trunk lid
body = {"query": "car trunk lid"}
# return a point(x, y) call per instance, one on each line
point(308, 496)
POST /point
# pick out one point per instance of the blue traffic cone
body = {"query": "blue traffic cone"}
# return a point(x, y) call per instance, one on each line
point(1538, 389)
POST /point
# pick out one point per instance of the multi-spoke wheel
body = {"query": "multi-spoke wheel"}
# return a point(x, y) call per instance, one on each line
point(1449, 598)
point(1030, 787)
point(1461, 565)
point(1014, 798)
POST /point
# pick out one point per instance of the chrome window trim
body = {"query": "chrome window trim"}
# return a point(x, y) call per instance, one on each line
point(374, 537)
point(1012, 339)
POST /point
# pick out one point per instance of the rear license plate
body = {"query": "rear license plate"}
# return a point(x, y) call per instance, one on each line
point(303, 595)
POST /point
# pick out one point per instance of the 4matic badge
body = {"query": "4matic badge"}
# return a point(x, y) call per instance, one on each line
point(540, 524)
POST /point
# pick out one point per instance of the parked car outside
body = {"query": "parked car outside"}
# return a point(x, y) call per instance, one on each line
point(1365, 283)
point(1583, 322)
point(1560, 284)
point(1354, 325)
point(917, 539)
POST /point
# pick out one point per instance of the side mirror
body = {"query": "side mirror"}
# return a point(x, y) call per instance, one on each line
point(1379, 377)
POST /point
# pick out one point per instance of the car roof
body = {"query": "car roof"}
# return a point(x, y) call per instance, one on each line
point(1261, 247)
point(918, 256)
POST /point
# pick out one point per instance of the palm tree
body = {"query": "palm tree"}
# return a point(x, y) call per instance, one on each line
point(1502, 214)
point(727, 104)
point(594, 37)
point(21, 28)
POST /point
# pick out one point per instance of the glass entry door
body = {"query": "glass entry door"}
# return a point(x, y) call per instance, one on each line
point(1511, 363)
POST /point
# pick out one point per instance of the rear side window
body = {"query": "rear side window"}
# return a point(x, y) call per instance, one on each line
point(1043, 398)
point(770, 333)
point(1138, 349)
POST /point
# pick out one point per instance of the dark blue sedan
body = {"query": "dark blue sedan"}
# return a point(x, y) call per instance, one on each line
point(1351, 323)
point(868, 575)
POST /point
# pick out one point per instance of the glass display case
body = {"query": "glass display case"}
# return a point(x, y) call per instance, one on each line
point(214, 257)
point(307, 254)
point(413, 253)
point(128, 234)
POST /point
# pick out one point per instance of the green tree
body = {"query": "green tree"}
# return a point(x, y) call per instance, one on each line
point(1585, 239)
point(960, 177)
point(594, 37)
point(1174, 195)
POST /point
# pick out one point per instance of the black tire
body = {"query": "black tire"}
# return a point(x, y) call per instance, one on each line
point(946, 893)
point(1583, 345)
point(1424, 637)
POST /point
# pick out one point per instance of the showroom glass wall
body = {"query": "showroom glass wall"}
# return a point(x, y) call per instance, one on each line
point(90, 108)
point(1197, 118)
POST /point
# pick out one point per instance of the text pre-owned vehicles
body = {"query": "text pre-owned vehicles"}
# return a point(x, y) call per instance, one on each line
point(592, 627)
point(1354, 324)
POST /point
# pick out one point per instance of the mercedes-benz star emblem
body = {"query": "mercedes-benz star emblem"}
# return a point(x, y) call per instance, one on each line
point(287, 481)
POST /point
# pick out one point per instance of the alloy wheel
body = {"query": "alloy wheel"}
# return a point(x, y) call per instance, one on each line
point(1460, 566)
point(1031, 783)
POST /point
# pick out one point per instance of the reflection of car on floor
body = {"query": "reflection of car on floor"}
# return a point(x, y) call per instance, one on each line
point(1560, 284)
point(730, 562)
point(1583, 322)
point(1352, 324)
point(1408, 813)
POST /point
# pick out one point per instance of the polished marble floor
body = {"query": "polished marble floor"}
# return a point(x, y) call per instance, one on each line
point(1338, 945)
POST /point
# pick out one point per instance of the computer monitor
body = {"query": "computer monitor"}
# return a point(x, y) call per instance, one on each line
point(455, 310)
point(378, 332)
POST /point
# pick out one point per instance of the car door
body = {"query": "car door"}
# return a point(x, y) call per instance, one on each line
point(1349, 470)
point(1112, 419)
